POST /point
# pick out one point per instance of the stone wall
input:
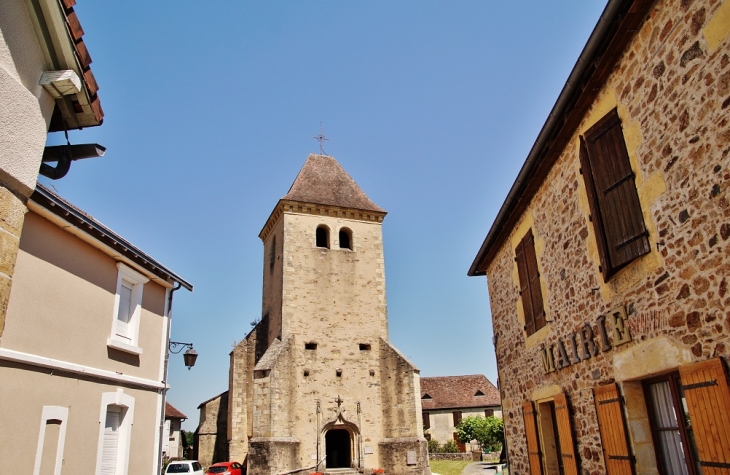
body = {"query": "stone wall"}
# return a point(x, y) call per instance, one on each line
point(12, 213)
point(672, 91)
point(463, 456)
point(210, 441)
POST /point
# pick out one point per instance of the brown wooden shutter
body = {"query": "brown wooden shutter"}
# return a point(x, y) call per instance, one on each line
point(457, 417)
point(609, 407)
point(707, 394)
point(530, 290)
point(426, 420)
point(533, 445)
point(565, 434)
point(595, 210)
point(625, 234)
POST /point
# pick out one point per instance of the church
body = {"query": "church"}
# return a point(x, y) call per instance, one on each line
point(316, 385)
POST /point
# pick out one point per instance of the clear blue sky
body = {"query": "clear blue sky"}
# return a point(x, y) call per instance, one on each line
point(210, 107)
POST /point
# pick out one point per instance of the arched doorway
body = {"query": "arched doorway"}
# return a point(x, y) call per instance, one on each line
point(338, 447)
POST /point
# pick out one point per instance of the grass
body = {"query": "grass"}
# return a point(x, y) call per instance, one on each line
point(448, 467)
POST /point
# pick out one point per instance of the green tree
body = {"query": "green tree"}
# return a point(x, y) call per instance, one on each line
point(450, 447)
point(489, 432)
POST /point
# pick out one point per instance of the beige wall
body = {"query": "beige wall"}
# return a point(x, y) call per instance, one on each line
point(55, 272)
point(25, 390)
point(670, 88)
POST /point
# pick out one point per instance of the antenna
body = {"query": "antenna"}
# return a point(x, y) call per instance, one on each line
point(321, 139)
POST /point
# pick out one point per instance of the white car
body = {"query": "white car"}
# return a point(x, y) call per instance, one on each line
point(192, 467)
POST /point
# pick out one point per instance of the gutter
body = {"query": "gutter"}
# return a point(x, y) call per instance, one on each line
point(574, 87)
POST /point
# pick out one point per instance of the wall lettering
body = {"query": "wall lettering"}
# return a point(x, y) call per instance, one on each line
point(612, 330)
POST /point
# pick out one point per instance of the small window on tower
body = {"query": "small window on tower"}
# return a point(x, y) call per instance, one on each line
point(364, 347)
point(323, 237)
point(345, 239)
point(310, 346)
point(272, 253)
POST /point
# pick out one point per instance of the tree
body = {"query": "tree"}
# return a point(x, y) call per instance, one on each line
point(489, 432)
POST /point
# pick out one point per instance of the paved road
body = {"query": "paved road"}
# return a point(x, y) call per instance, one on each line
point(480, 468)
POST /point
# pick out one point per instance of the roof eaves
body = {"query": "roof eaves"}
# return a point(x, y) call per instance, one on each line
point(615, 28)
point(68, 212)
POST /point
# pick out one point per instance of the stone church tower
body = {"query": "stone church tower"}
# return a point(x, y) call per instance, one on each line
point(316, 383)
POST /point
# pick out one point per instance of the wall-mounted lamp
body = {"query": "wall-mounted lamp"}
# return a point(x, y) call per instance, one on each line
point(189, 356)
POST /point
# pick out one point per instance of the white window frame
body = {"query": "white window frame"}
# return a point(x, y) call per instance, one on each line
point(52, 413)
point(130, 345)
point(126, 402)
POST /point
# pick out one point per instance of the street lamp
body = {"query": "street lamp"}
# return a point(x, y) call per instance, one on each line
point(189, 356)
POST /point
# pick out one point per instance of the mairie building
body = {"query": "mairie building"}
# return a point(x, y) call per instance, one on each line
point(609, 262)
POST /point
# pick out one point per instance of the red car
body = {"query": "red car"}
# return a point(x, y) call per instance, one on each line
point(226, 468)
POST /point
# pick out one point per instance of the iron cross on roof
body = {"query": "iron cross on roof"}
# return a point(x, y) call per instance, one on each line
point(321, 139)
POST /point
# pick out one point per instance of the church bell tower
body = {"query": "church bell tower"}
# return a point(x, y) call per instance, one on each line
point(316, 384)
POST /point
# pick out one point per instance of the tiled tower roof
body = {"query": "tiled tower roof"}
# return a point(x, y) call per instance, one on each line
point(323, 181)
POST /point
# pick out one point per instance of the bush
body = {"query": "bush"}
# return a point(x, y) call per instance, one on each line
point(489, 432)
point(434, 447)
point(450, 447)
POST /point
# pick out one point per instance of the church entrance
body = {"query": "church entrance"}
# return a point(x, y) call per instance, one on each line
point(338, 448)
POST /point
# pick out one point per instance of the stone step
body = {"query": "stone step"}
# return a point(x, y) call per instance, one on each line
point(341, 471)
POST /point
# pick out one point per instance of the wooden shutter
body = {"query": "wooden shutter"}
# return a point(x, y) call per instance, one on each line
point(615, 196)
point(457, 417)
point(707, 394)
point(426, 420)
point(530, 290)
point(565, 434)
point(609, 407)
point(533, 445)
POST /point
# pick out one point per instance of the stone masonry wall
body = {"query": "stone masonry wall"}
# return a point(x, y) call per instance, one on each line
point(12, 213)
point(672, 90)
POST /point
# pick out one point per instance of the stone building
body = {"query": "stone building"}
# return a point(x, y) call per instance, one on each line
point(316, 383)
point(608, 263)
point(448, 399)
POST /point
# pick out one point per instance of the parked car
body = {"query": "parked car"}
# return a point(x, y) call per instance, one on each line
point(226, 468)
point(192, 467)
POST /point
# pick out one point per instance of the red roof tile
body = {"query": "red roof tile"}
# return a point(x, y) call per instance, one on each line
point(172, 413)
point(453, 392)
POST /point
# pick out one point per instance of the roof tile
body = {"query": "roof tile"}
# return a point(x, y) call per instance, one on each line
point(323, 181)
point(453, 392)
point(172, 413)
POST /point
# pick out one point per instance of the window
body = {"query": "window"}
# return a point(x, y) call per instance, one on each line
point(488, 412)
point(127, 310)
point(345, 239)
point(115, 431)
point(457, 417)
point(530, 289)
point(310, 346)
point(323, 236)
point(670, 427)
point(426, 421)
point(479, 393)
point(51, 440)
point(614, 202)
point(365, 347)
point(426, 396)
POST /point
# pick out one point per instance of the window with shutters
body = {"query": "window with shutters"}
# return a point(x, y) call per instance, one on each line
point(707, 396)
point(457, 417)
point(127, 310)
point(670, 428)
point(115, 432)
point(533, 443)
point(616, 213)
point(530, 290)
point(426, 421)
